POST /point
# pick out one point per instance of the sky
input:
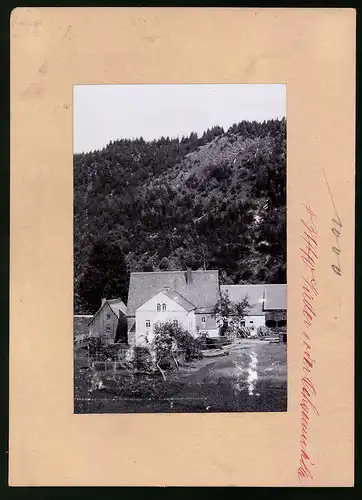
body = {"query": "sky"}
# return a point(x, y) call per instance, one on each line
point(104, 113)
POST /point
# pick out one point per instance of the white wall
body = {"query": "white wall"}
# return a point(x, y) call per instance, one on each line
point(210, 325)
point(174, 311)
point(213, 333)
point(256, 321)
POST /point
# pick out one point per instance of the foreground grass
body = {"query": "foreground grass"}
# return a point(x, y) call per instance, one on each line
point(216, 385)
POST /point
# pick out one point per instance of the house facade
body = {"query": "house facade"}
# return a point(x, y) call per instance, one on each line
point(165, 306)
point(110, 322)
point(186, 297)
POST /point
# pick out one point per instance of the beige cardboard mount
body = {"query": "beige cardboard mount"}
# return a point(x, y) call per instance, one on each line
point(313, 52)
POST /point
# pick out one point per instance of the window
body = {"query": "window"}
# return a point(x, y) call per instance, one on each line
point(203, 319)
point(163, 307)
point(108, 328)
point(158, 307)
point(251, 322)
point(243, 323)
point(148, 323)
point(108, 316)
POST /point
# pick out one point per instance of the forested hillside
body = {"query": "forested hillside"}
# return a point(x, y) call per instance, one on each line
point(214, 202)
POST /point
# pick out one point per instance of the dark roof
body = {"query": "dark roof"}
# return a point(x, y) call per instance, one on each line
point(276, 297)
point(273, 296)
point(117, 306)
point(202, 290)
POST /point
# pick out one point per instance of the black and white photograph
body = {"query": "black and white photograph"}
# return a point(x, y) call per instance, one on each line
point(180, 271)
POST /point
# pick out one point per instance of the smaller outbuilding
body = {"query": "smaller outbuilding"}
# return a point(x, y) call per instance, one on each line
point(110, 322)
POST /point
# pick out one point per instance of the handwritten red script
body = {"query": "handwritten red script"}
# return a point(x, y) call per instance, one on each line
point(309, 291)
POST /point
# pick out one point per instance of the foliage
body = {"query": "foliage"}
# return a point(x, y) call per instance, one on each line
point(169, 339)
point(142, 360)
point(105, 275)
point(217, 201)
point(97, 349)
point(230, 315)
point(95, 346)
point(111, 352)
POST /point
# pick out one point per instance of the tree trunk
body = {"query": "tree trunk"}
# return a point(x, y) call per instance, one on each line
point(161, 371)
point(175, 361)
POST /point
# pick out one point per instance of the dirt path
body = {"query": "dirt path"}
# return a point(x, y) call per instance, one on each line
point(251, 378)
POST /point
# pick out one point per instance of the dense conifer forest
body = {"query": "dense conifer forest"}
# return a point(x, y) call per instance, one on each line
point(216, 201)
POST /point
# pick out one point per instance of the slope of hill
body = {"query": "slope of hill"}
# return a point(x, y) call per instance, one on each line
point(216, 202)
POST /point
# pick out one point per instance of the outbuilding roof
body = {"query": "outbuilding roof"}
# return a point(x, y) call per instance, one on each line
point(274, 297)
point(199, 288)
point(117, 306)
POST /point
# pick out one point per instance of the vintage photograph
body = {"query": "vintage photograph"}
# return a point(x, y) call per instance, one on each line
point(180, 283)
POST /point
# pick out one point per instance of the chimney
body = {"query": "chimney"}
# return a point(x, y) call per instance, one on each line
point(188, 276)
point(103, 302)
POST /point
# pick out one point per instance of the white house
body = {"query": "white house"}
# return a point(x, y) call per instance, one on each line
point(187, 297)
point(164, 306)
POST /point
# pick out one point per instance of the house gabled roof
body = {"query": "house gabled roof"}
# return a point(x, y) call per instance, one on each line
point(117, 306)
point(176, 297)
point(274, 297)
point(201, 290)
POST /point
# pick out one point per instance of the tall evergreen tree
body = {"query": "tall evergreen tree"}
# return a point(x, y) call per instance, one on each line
point(105, 276)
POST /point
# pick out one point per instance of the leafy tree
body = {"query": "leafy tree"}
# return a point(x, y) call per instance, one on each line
point(168, 339)
point(229, 314)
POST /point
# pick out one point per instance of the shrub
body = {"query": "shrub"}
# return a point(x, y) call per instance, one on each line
point(220, 172)
point(142, 359)
point(95, 347)
point(169, 339)
point(111, 352)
